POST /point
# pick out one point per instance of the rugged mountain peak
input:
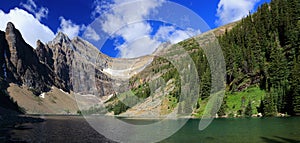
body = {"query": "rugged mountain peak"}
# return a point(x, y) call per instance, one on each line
point(10, 34)
point(13, 34)
point(61, 38)
point(39, 43)
point(50, 64)
point(22, 64)
point(15, 42)
point(10, 26)
point(44, 54)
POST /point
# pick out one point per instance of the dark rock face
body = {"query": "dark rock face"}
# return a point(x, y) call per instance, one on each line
point(22, 64)
point(44, 54)
point(62, 61)
point(3, 45)
point(53, 64)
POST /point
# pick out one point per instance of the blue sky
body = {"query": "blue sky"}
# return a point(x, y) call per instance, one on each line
point(40, 19)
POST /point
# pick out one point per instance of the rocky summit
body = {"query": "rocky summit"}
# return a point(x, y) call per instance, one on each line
point(70, 65)
point(46, 66)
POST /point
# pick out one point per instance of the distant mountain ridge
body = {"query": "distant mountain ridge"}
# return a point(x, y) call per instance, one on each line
point(56, 63)
point(46, 66)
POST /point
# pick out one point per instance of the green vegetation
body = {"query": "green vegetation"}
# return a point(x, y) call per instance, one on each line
point(237, 102)
point(92, 110)
point(263, 49)
point(262, 65)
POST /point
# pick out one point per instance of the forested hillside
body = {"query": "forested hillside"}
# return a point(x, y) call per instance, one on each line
point(263, 49)
point(262, 65)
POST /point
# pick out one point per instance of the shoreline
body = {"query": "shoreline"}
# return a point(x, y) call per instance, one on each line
point(150, 118)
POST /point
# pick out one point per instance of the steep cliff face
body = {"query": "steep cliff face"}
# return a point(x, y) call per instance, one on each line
point(53, 64)
point(78, 67)
point(70, 65)
point(22, 64)
point(44, 54)
point(61, 47)
point(3, 45)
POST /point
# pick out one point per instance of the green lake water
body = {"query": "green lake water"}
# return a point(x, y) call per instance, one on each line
point(246, 130)
point(252, 130)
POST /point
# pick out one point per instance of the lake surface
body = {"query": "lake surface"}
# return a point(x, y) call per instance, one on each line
point(76, 129)
point(254, 130)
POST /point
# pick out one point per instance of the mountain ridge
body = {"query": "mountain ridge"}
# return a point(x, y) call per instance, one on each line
point(53, 64)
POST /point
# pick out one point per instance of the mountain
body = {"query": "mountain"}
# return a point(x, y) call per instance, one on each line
point(50, 70)
point(262, 70)
point(56, 76)
point(261, 76)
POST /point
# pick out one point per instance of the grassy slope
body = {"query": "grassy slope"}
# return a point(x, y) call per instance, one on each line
point(234, 100)
point(55, 101)
point(161, 67)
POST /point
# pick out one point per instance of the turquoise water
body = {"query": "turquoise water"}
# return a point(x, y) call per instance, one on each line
point(252, 130)
point(246, 130)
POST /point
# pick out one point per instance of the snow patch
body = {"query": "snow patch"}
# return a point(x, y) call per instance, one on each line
point(127, 72)
point(124, 72)
point(42, 95)
point(88, 95)
point(63, 91)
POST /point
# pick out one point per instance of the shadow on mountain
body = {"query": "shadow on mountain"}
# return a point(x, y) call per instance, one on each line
point(278, 139)
point(7, 103)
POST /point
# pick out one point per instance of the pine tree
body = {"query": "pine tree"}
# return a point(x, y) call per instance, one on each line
point(266, 44)
point(222, 110)
point(295, 86)
point(269, 106)
point(205, 85)
point(248, 110)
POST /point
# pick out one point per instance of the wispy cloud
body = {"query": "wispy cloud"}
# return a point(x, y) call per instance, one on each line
point(233, 10)
point(24, 22)
point(91, 34)
point(69, 28)
point(31, 6)
point(128, 20)
point(118, 16)
point(173, 35)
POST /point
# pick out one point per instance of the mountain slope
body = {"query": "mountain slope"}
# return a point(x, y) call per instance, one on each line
point(74, 66)
point(262, 70)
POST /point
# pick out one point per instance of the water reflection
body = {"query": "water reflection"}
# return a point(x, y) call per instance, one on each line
point(76, 129)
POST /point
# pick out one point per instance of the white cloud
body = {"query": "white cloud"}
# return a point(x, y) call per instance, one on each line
point(91, 34)
point(123, 13)
point(38, 12)
point(134, 31)
point(69, 28)
point(173, 35)
point(127, 19)
point(25, 23)
point(142, 46)
point(29, 5)
point(99, 7)
point(139, 43)
point(233, 10)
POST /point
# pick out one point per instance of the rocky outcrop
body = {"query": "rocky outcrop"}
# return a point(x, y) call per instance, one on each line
point(62, 49)
point(53, 64)
point(22, 64)
point(44, 54)
point(3, 45)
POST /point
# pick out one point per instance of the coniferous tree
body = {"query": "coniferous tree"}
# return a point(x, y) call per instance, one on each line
point(269, 106)
point(248, 110)
point(294, 100)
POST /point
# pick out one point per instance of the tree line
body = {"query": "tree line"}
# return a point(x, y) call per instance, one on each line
point(263, 49)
